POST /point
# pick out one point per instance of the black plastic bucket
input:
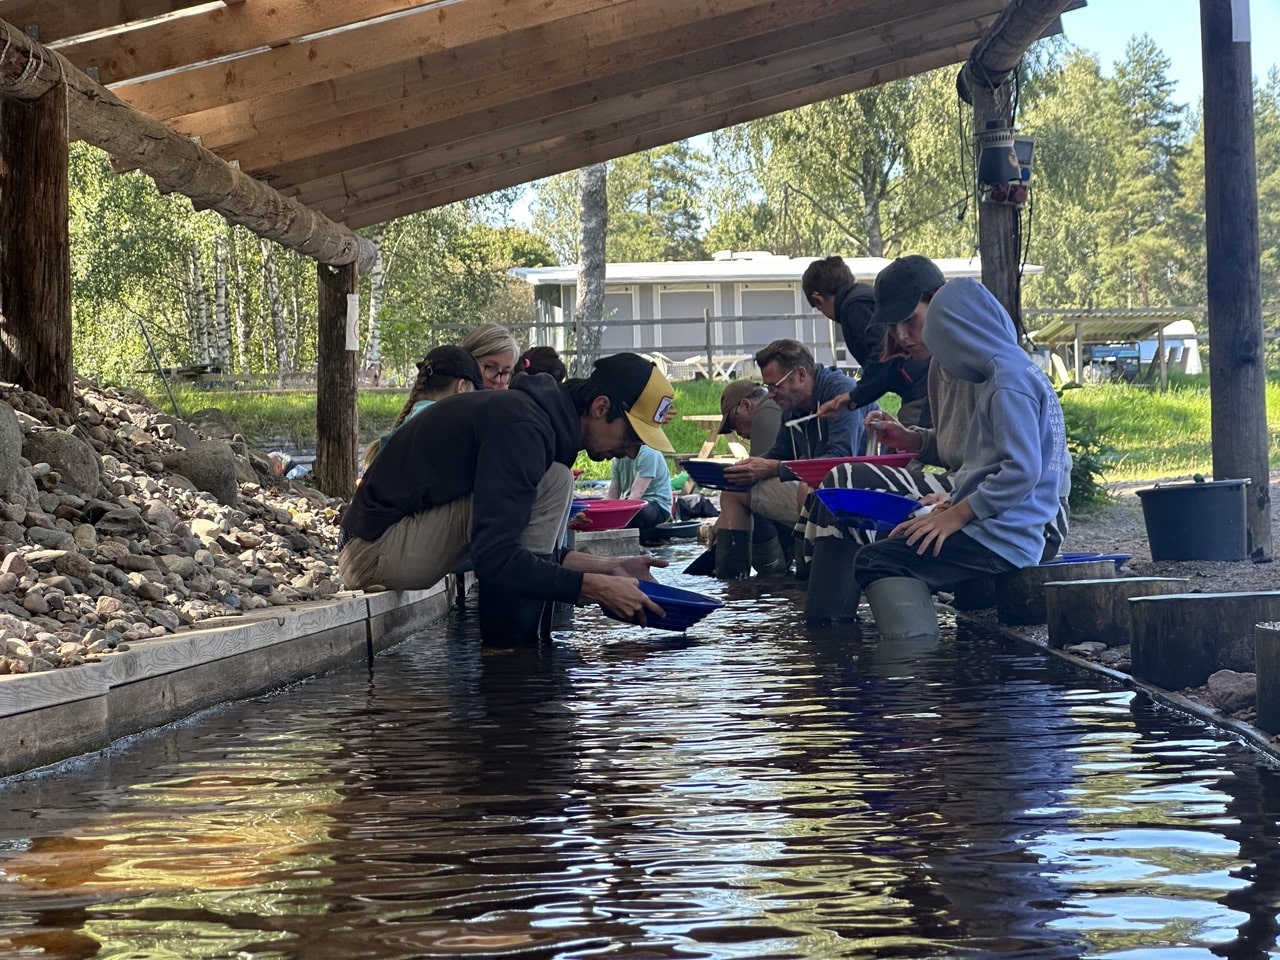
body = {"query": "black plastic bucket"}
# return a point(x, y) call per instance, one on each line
point(1197, 521)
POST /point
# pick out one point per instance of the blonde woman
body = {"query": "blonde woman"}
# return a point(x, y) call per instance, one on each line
point(495, 349)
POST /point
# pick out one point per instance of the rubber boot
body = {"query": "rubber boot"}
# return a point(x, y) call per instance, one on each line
point(767, 557)
point(733, 554)
point(803, 562)
point(833, 592)
point(903, 608)
point(511, 619)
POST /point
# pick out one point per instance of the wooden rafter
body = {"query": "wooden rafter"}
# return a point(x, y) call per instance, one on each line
point(214, 32)
point(58, 19)
point(668, 127)
point(28, 70)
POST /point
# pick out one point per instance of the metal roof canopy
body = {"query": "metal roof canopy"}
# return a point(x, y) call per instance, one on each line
point(372, 110)
point(1106, 326)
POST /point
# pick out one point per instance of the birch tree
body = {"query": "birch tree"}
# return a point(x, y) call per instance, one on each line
point(593, 230)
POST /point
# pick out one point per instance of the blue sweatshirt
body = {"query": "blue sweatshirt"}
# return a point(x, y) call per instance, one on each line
point(1016, 467)
point(841, 436)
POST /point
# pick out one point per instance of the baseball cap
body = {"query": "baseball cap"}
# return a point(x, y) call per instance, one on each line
point(639, 388)
point(451, 361)
point(901, 284)
point(733, 395)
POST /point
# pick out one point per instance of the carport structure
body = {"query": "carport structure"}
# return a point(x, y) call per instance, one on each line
point(307, 119)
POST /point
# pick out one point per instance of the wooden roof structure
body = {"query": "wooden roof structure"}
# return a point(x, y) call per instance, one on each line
point(368, 110)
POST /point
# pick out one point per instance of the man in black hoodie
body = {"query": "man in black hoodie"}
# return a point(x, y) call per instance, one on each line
point(488, 475)
point(830, 288)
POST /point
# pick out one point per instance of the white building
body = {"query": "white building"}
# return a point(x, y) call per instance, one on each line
point(751, 299)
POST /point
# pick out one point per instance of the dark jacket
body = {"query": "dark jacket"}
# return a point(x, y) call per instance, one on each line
point(496, 444)
point(909, 379)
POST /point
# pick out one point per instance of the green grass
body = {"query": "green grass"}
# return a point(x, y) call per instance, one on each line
point(1161, 433)
point(1155, 434)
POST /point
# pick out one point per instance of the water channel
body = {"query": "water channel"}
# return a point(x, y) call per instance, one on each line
point(753, 790)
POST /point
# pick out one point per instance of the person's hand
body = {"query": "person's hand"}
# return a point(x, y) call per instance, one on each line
point(831, 407)
point(580, 522)
point(620, 596)
point(638, 567)
point(939, 501)
point(886, 428)
point(932, 529)
point(750, 471)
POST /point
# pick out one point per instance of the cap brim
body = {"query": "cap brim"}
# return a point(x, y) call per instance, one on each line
point(650, 434)
point(725, 425)
point(894, 311)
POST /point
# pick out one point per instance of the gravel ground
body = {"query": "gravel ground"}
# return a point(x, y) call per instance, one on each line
point(1118, 527)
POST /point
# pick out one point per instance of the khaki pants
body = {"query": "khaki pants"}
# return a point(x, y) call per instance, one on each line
point(418, 551)
point(777, 500)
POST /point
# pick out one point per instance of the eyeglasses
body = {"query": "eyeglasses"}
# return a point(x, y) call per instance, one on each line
point(492, 371)
point(773, 387)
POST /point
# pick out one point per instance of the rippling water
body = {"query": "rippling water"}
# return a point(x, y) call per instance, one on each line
point(755, 790)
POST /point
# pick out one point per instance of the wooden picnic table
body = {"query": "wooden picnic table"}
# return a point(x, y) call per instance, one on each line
point(711, 424)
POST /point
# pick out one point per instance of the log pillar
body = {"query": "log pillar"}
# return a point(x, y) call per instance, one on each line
point(1077, 611)
point(1020, 595)
point(35, 256)
point(1179, 640)
point(1266, 654)
point(337, 414)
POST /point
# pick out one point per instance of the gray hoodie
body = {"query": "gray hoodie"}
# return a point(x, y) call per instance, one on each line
point(1016, 467)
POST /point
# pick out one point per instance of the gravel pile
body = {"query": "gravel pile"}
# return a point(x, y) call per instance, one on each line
point(121, 524)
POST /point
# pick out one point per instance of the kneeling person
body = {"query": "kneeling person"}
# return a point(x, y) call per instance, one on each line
point(488, 475)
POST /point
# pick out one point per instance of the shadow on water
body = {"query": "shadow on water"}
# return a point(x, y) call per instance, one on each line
point(755, 789)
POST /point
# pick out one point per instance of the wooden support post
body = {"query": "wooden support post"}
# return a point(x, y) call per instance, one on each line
point(337, 415)
point(35, 257)
point(1237, 366)
point(998, 222)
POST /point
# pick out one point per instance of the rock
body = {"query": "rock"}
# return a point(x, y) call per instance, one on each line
point(1231, 692)
point(210, 465)
point(34, 602)
point(121, 523)
point(50, 539)
point(216, 423)
point(14, 563)
point(75, 461)
point(168, 427)
point(158, 513)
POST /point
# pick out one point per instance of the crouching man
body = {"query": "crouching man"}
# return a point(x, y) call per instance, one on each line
point(488, 476)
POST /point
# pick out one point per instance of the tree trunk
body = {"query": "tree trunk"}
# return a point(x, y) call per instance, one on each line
point(222, 325)
point(35, 263)
point(588, 314)
point(243, 322)
point(200, 301)
point(271, 289)
point(1237, 365)
point(337, 415)
point(377, 277)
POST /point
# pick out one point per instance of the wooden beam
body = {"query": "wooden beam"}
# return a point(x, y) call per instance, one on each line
point(337, 413)
point(28, 70)
point(209, 33)
point(489, 73)
point(1021, 24)
point(58, 19)
point(692, 119)
point(609, 105)
point(35, 257)
point(761, 41)
point(441, 29)
point(1237, 363)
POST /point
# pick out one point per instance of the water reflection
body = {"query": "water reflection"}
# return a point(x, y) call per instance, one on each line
point(753, 790)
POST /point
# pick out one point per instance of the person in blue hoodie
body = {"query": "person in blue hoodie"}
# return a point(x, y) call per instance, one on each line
point(1015, 475)
point(486, 476)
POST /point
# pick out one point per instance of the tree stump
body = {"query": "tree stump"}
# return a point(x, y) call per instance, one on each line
point(1020, 595)
point(1179, 640)
point(1266, 653)
point(1080, 610)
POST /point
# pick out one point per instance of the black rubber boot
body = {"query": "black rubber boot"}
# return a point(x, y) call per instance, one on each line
point(512, 619)
point(833, 594)
point(767, 557)
point(733, 554)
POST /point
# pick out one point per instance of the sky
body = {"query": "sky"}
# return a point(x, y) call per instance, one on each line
point(1105, 27)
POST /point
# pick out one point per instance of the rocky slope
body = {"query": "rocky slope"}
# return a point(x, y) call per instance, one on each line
point(122, 523)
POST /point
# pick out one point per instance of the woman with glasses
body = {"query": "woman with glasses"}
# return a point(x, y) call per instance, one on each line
point(495, 349)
